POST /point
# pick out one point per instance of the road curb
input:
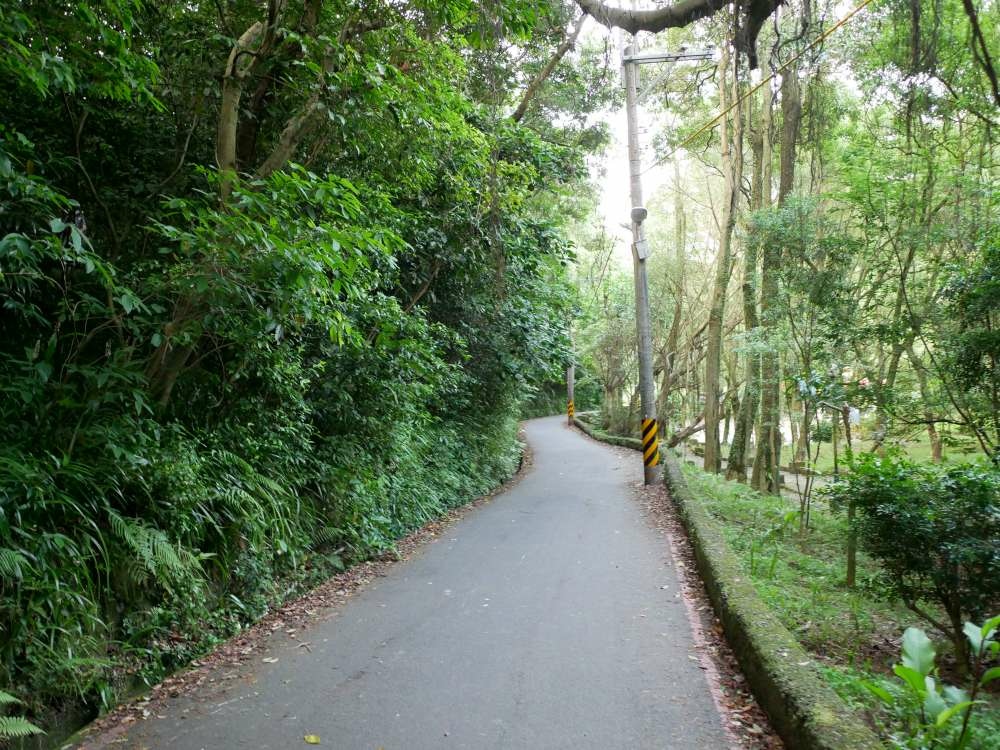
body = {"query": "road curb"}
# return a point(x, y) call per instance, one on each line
point(598, 434)
point(806, 713)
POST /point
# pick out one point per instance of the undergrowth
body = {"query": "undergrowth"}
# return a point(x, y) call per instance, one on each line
point(855, 633)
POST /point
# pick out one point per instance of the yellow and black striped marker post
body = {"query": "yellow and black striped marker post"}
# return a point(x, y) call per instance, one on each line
point(570, 410)
point(650, 443)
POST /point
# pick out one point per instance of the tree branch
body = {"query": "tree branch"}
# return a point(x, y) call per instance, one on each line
point(435, 269)
point(529, 93)
point(683, 13)
point(681, 435)
point(299, 124)
point(291, 135)
point(984, 57)
point(672, 16)
point(229, 109)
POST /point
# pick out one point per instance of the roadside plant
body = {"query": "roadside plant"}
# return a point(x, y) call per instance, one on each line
point(935, 532)
point(771, 536)
point(14, 727)
point(934, 714)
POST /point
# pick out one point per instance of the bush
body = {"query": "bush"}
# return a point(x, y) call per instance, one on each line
point(936, 533)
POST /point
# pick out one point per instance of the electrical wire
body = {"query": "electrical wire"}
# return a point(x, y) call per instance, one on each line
point(718, 118)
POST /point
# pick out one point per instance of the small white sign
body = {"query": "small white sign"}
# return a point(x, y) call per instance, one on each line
point(641, 249)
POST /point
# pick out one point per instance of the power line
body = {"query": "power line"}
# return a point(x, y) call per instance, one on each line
point(715, 120)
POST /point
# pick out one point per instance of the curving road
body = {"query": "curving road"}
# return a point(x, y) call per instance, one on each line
point(544, 619)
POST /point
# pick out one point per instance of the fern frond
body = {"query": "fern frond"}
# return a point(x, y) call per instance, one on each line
point(13, 727)
point(325, 535)
point(7, 699)
point(11, 563)
point(153, 551)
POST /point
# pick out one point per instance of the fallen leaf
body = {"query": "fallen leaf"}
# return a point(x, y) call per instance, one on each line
point(311, 739)
point(269, 659)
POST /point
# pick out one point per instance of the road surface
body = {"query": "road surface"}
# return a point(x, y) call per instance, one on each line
point(544, 619)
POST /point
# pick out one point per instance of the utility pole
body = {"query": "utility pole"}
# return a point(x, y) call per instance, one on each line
point(652, 472)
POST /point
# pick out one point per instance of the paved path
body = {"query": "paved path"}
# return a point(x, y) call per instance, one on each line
point(544, 619)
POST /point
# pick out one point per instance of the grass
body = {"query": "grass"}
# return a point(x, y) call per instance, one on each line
point(800, 577)
point(915, 446)
point(855, 633)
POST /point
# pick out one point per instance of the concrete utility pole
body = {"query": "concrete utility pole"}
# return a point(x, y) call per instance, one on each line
point(640, 251)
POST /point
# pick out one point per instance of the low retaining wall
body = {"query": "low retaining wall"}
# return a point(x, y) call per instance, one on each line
point(804, 711)
point(598, 434)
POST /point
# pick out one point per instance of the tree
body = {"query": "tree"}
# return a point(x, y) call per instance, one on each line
point(732, 167)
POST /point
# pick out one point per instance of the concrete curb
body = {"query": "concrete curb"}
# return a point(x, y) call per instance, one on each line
point(598, 434)
point(806, 713)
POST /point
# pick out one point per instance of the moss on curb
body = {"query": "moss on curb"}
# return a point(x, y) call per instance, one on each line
point(804, 711)
point(598, 434)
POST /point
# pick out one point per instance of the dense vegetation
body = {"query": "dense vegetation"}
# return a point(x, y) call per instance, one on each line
point(854, 633)
point(859, 271)
point(275, 280)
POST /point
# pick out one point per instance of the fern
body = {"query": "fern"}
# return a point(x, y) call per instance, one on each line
point(326, 535)
point(13, 727)
point(11, 563)
point(154, 553)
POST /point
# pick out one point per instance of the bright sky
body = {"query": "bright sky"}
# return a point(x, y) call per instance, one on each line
point(615, 205)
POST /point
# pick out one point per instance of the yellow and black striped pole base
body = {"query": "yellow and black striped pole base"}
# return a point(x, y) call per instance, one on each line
point(570, 410)
point(650, 443)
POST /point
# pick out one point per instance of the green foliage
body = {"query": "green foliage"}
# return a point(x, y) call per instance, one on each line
point(935, 532)
point(972, 341)
point(217, 389)
point(823, 432)
point(933, 714)
point(14, 727)
point(844, 627)
point(799, 574)
point(69, 46)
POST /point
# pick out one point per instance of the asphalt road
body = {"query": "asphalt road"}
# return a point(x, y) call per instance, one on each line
point(544, 619)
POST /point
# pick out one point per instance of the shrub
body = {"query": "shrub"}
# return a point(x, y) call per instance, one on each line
point(936, 533)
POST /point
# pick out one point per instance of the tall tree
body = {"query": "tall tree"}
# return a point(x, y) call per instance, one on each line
point(767, 461)
point(731, 136)
point(746, 419)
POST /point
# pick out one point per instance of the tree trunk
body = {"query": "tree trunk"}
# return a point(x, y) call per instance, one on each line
point(670, 354)
point(569, 41)
point(852, 532)
point(937, 452)
point(766, 470)
point(736, 465)
point(732, 167)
